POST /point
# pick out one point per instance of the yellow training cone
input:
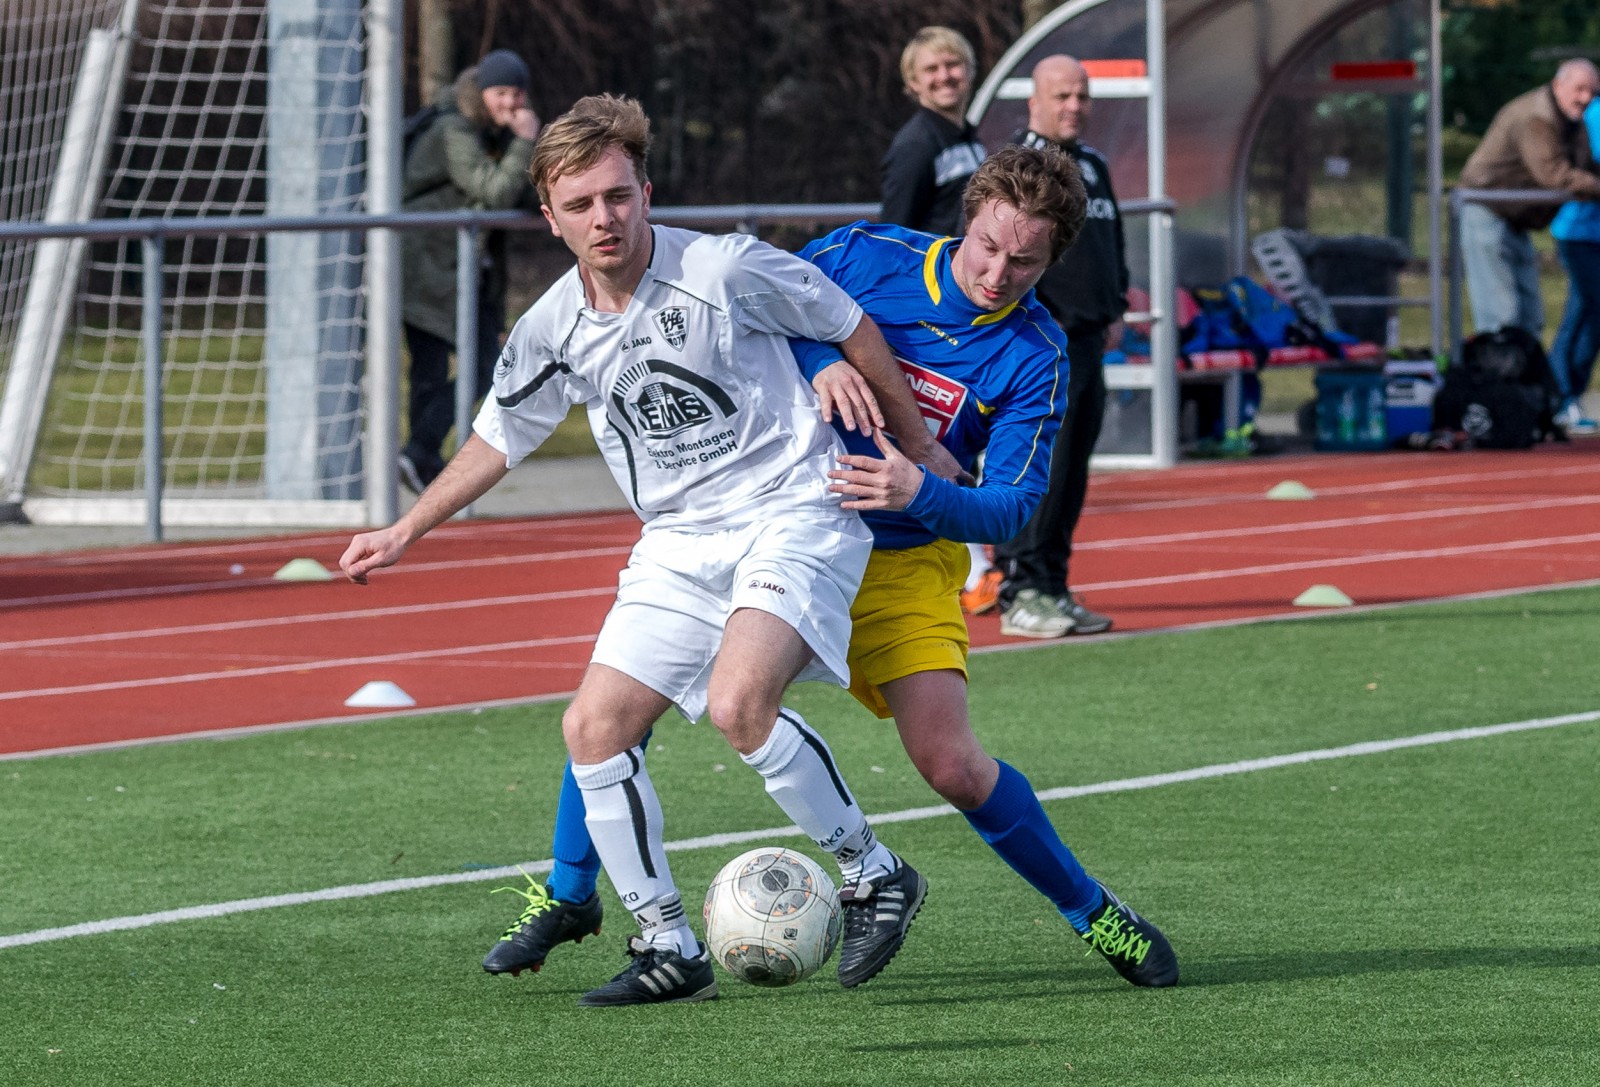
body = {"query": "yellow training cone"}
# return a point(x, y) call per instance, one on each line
point(303, 570)
point(1322, 596)
point(1291, 490)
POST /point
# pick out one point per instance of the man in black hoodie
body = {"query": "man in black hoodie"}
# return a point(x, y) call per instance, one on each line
point(926, 168)
point(1086, 292)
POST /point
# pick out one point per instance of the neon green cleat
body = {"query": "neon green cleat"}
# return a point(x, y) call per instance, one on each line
point(1134, 947)
point(544, 923)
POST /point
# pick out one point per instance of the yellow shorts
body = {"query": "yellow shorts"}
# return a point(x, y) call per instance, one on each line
point(907, 618)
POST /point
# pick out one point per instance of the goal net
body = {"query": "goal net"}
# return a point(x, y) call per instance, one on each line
point(138, 109)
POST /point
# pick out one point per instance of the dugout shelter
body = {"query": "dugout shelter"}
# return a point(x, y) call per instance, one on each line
point(1224, 119)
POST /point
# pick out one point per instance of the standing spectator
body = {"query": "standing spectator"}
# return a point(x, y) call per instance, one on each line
point(1086, 292)
point(926, 168)
point(1577, 233)
point(1536, 141)
point(474, 153)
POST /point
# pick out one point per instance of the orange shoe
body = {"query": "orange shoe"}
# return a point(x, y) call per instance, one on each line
point(984, 596)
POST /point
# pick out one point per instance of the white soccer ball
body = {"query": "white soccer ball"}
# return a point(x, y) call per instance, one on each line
point(772, 916)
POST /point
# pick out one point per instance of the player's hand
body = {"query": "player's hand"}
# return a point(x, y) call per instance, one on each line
point(938, 460)
point(372, 551)
point(873, 483)
point(840, 387)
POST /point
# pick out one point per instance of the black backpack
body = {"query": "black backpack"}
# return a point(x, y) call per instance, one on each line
point(1502, 392)
point(413, 128)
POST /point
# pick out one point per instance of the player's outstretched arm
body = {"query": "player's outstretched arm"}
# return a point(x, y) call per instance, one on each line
point(475, 468)
point(866, 350)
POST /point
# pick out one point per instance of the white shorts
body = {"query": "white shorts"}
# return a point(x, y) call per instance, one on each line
point(675, 596)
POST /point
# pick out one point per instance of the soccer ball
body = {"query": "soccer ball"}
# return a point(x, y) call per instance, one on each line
point(772, 916)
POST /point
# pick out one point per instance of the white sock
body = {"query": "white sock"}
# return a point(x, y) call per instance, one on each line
point(801, 776)
point(623, 815)
point(980, 566)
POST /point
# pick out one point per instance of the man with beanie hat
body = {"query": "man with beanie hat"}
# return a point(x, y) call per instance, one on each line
point(474, 154)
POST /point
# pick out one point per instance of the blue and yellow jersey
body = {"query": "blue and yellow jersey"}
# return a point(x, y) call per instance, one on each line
point(984, 381)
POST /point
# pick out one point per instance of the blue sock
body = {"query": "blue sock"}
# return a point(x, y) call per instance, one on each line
point(1016, 827)
point(577, 865)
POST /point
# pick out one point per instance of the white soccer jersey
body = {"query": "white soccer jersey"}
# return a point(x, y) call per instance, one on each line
point(693, 394)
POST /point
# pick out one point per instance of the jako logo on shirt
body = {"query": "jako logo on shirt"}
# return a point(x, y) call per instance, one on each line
point(659, 399)
point(757, 584)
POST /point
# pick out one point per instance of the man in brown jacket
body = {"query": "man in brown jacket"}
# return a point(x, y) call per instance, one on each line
point(1536, 141)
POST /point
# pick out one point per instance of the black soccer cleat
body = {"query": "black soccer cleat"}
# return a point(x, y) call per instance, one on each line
point(1134, 947)
point(877, 914)
point(656, 976)
point(544, 923)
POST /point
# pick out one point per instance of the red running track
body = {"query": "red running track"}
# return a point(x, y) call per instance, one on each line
point(164, 640)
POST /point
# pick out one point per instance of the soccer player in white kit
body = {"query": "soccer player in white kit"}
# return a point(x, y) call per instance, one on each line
point(741, 583)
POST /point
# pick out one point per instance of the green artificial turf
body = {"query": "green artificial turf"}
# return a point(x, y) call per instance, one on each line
point(1416, 916)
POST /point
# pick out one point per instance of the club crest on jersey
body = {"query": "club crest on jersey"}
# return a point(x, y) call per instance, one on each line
point(659, 399)
point(938, 396)
point(508, 359)
point(674, 325)
point(1091, 176)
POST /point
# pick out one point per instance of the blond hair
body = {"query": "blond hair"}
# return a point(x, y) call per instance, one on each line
point(941, 38)
point(1038, 181)
point(579, 138)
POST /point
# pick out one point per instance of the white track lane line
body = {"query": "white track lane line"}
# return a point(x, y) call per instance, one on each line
point(1423, 484)
point(721, 841)
point(302, 618)
point(300, 666)
point(1349, 560)
point(1167, 579)
point(1485, 510)
point(278, 545)
point(1338, 522)
point(256, 583)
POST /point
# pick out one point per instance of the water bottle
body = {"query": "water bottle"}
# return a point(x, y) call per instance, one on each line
point(1347, 417)
point(1376, 432)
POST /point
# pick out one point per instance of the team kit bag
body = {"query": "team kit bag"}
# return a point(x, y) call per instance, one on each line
point(1501, 393)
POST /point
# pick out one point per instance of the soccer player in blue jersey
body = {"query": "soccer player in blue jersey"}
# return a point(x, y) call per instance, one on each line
point(988, 366)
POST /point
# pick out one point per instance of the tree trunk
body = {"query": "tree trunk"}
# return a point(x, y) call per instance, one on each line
point(1034, 10)
point(436, 48)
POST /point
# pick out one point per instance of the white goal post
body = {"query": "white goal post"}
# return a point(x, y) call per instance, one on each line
point(275, 347)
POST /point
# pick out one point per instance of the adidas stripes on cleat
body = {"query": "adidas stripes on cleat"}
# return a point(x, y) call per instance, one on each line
point(544, 923)
point(656, 976)
point(877, 914)
point(1134, 947)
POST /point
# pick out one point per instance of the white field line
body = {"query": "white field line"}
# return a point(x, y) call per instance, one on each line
point(724, 840)
point(298, 666)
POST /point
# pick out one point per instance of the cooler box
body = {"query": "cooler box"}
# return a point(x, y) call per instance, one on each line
point(1352, 409)
point(1409, 388)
